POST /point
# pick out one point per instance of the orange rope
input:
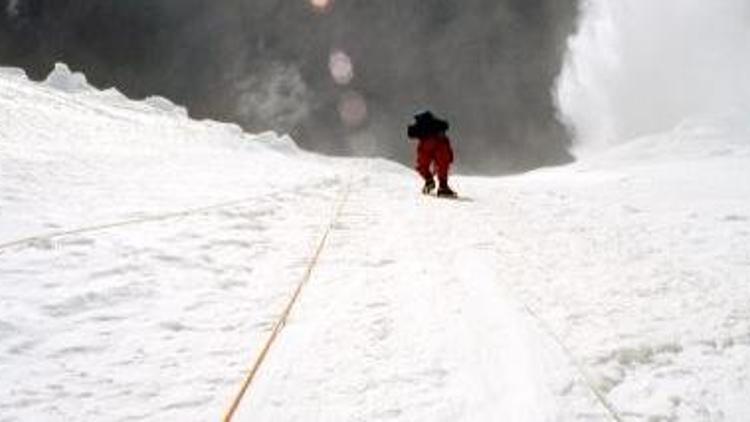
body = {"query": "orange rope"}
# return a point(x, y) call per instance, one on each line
point(100, 227)
point(30, 240)
point(611, 411)
point(281, 322)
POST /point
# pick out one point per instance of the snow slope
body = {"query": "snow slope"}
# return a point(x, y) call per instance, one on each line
point(640, 260)
point(119, 324)
point(626, 273)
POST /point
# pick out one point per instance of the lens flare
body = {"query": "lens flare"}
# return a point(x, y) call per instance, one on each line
point(321, 5)
point(341, 67)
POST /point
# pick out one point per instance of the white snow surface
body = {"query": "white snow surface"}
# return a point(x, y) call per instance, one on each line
point(627, 273)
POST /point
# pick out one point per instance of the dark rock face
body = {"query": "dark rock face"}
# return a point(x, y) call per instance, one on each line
point(342, 77)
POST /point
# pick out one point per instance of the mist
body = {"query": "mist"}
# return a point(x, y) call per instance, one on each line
point(341, 77)
point(641, 67)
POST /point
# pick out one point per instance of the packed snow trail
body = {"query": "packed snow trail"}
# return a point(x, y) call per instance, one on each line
point(285, 314)
point(403, 319)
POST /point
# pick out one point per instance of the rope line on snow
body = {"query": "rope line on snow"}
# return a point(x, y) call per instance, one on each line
point(601, 398)
point(284, 316)
point(100, 227)
point(122, 223)
point(26, 241)
point(609, 408)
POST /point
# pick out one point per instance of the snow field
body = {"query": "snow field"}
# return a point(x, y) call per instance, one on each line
point(643, 268)
point(122, 159)
point(403, 320)
point(636, 260)
point(151, 320)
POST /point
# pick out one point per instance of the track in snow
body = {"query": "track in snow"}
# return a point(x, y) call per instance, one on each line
point(406, 318)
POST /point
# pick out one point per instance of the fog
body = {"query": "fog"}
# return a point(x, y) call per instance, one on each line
point(341, 77)
point(641, 66)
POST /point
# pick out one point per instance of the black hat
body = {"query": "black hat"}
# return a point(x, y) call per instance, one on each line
point(426, 124)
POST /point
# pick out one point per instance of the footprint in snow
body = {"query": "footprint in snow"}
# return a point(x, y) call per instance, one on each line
point(174, 326)
point(735, 218)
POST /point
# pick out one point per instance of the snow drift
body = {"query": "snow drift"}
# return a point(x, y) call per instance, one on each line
point(70, 134)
